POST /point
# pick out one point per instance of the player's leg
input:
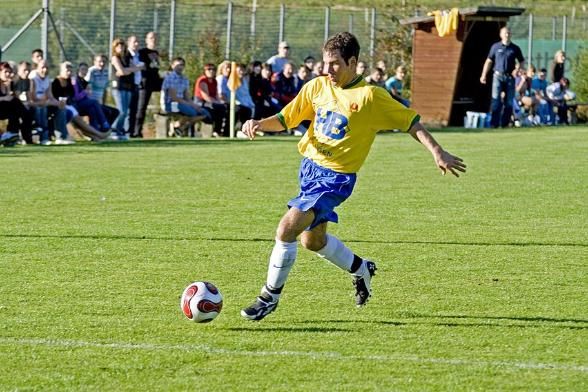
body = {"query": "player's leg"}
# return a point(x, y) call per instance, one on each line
point(332, 249)
point(281, 261)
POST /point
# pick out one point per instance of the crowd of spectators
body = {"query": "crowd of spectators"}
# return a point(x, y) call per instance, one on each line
point(35, 104)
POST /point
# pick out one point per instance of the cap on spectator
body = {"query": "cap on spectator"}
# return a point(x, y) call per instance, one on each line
point(283, 44)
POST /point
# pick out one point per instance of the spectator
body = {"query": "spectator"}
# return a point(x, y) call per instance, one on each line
point(302, 76)
point(222, 77)
point(151, 81)
point(21, 86)
point(318, 69)
point(85, 105)
point(123, 86)
point(36, 57)
point(12, 109)
point(206, 93)
point(280, 59)
point(133, 57)
point(559, 95)
point(525, 99)
point(285, 85)
point(97, 78)
point(376, 77)
point(309, 61)
point(176, 92)
point(46, 105)
point(394, 85)
point(539, 85)
point(382, 65)
point(503, 55)
point(557, 66)
point(361, 68)
point(261, 90)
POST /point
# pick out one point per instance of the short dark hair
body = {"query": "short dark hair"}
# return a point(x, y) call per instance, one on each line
point(178, 59)
point(82, 64)
point(345, 43)
point(37, 51)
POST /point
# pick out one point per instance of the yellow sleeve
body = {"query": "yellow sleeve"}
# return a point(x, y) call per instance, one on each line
point(387, 113)
point(299, 109)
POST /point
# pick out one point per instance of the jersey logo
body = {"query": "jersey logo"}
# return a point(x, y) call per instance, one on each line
point(331, 124)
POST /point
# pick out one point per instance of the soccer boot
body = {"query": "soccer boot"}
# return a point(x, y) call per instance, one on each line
point(363, 283)
point(262, 306)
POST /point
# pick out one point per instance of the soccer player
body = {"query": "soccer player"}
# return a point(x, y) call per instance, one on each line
point(346, 114)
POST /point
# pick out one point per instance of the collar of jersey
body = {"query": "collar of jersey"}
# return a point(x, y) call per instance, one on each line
point(353, 82)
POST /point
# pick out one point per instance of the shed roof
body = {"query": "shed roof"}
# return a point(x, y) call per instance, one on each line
point(470, 11)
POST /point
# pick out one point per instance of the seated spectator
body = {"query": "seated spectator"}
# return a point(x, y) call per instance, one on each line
point(525, 99)
point(285, 85)
point(21, 86)
point(85, 105)
point(539, 85)
point(261, 91)
point(223, 72)
point(12, 109)
point(206, 94)
point(97, 78)
point(36, 56)
point(394, 85)
point(176, 96)
point(361, 68)
point(376, 78)
point(309, 61)
point(244, 103)
point(318, 69)
point(560, 95)
point(47, 106)
point(301, 77)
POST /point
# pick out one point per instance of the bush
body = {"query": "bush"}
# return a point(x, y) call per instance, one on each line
point(580, 86)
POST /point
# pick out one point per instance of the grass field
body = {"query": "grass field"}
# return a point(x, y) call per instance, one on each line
point(482, 281)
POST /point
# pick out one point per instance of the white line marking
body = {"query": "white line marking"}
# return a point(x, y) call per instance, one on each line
point(308, 354)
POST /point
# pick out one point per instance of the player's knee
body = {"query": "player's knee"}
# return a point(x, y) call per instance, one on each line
point(312, 242)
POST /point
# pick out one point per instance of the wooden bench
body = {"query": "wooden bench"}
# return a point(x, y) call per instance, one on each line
point(167, 124)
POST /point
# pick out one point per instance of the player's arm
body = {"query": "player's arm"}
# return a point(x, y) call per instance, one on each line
point(444, 160)
point(270, 124)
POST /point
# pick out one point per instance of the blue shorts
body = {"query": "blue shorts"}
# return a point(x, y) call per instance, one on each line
point(322, 190)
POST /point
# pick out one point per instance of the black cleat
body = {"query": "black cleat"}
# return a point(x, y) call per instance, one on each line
point(363, 286)
point(262, 306)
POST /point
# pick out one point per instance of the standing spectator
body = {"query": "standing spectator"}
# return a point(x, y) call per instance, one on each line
point(151, 81)
point(12, 109)
point(278, 61)
point(36, 57)
point(261, 90)
point(133, 58)
point(361, 68)
point(206, 93)
point(176, 91)
point(394, 85)
point(21, 86)
point(285, 85)
point(123, 86)
point(97, 78)
point(557, 66)
point(504, 55)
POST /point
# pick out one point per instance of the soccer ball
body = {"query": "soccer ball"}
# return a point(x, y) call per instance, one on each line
point(201, 302)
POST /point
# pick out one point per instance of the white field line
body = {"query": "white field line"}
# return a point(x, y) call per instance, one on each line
point(306, 354)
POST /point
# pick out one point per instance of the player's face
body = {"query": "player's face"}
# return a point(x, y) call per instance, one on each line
point(337, 70)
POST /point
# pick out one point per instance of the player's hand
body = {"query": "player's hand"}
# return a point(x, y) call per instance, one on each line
point(250, 127)
point(447, 162)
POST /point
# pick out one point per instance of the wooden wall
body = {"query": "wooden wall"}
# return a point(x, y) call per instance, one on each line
point(435, 67)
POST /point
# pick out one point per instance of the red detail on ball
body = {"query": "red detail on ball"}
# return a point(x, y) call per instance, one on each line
point(206, 306)
point(212, 288)
point(190, 292)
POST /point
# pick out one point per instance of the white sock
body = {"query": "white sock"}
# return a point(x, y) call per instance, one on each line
point(337, 253)
point(281, 261)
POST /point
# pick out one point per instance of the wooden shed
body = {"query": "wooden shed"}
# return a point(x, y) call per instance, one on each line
point(446, 70)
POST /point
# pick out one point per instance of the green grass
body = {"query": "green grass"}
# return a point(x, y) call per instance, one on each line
point(482, 281)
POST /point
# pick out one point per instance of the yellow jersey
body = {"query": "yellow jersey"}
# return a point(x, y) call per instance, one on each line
point(344, 121)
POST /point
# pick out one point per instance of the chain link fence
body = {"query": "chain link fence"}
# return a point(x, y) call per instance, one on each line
point(212, 32)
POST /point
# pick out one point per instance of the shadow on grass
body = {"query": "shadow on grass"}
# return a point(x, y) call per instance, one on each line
point(225, 239)
point(289, 329)
point(473, 321)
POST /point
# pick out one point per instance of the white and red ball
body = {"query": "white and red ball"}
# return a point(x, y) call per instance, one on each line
point(201, 302)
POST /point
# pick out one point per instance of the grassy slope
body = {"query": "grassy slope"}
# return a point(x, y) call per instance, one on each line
point(482, 281)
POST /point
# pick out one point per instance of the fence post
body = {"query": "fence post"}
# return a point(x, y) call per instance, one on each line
point(229, 28)
point(45, 28)
point(564, 33)
point(553, 27)
point(351, 23)
point(282, 17)
point(172, 29)
point(372, 37)
point(111, 35)
point(327, 22)
point(61, 30)
point(530, 40)
point(155, 18)
point(253, 16)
